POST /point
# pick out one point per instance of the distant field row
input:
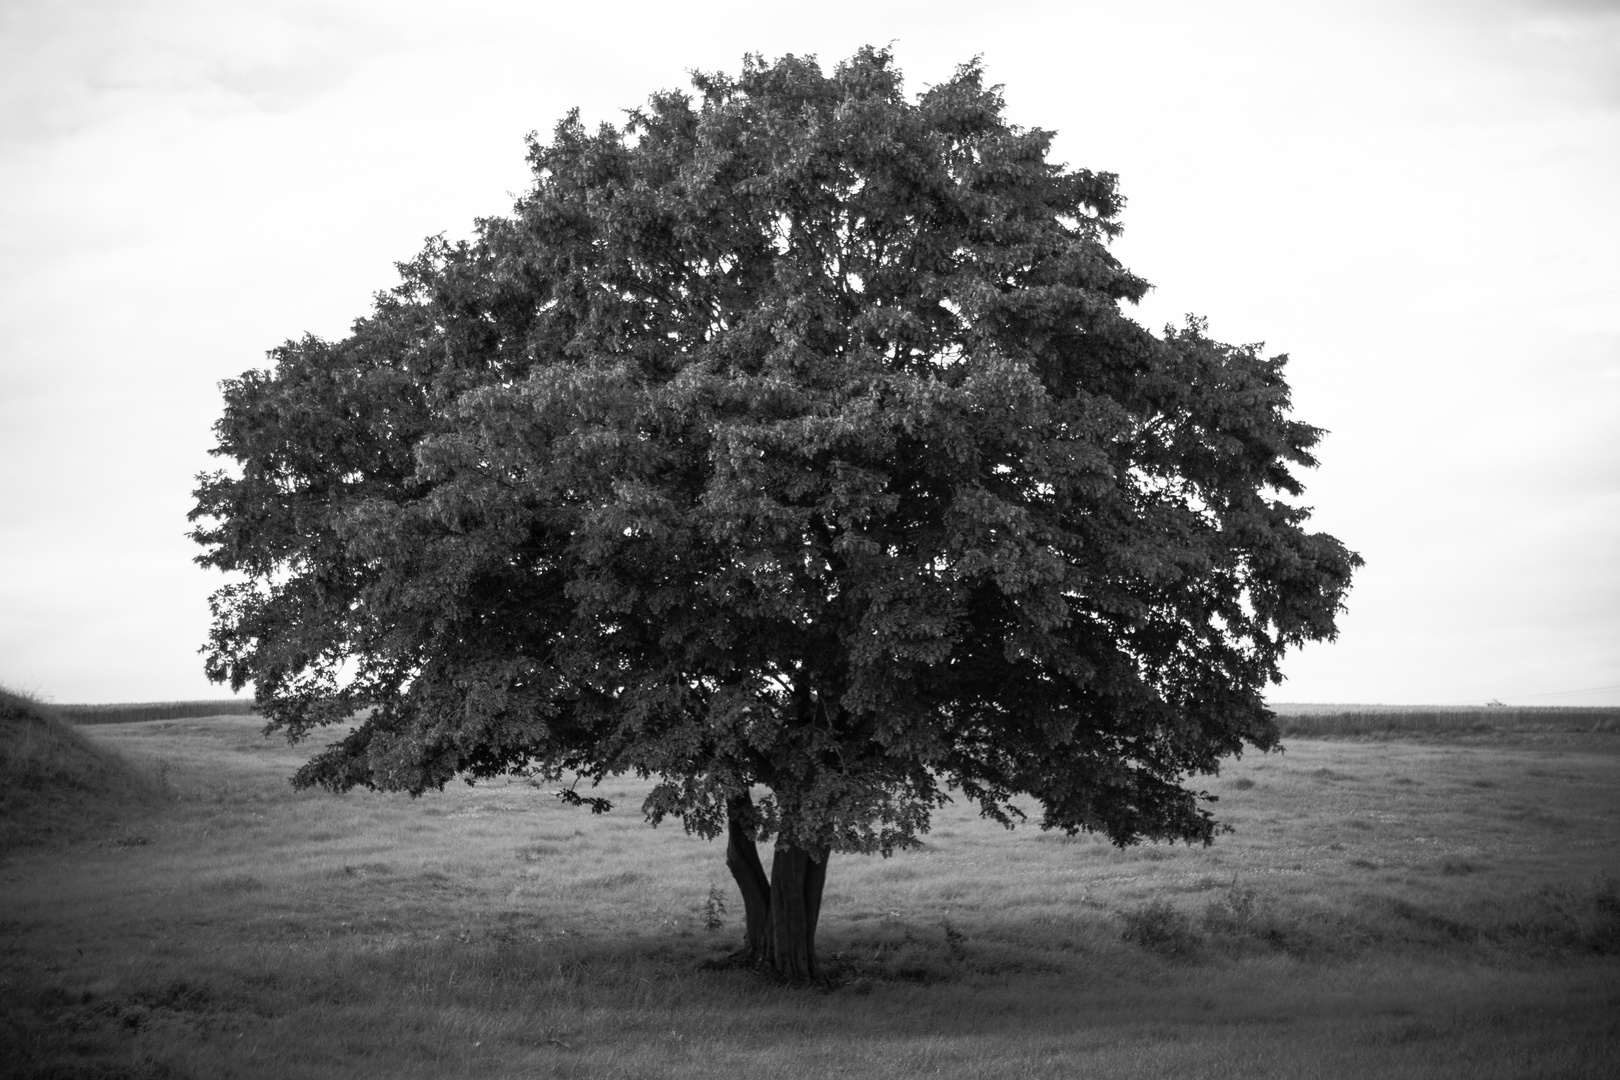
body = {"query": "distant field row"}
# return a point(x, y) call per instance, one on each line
point(1294, 719)
point(134, 712)
point(1329, 720)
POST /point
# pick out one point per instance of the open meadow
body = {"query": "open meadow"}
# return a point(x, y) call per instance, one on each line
point(1429, 905)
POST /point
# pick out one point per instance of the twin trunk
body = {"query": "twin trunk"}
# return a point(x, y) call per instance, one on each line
point(780, 911)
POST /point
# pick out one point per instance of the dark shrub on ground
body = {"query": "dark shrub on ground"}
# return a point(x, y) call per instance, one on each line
point(1160, 927)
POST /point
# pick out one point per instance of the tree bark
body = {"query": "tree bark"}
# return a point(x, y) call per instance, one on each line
point(797, 879)
point(780, 912)
point(742, 859)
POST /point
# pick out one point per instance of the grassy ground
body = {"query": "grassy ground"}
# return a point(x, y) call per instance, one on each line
point(1384, 908)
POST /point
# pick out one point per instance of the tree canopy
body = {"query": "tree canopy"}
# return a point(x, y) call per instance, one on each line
point(788, 445)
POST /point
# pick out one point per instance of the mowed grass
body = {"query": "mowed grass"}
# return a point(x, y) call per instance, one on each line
point(1382, 908)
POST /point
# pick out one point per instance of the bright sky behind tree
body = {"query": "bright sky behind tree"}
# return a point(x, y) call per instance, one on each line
point(1416, 201)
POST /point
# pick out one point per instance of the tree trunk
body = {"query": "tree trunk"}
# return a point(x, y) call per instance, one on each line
point(742, 859)
point(781, 911)
point(797, 878)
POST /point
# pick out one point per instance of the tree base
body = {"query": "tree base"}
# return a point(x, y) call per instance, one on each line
point(828, 976)
point(781, 910)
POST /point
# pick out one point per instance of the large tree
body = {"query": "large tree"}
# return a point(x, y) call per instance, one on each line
point(787, 445)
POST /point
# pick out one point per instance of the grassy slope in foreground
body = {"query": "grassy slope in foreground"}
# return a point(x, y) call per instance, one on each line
point(1392, 909)
point(56, 785)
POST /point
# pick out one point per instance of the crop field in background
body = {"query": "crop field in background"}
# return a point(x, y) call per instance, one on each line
point(1413, 720)
point(1394, 907)
point(153, 710)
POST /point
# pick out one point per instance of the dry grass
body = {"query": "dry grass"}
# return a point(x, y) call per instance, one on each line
point(1395, 909)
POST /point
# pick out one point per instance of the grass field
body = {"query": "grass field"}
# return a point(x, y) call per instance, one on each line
point(1385, 907)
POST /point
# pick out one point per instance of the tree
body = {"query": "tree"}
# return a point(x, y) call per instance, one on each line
point(788, 446)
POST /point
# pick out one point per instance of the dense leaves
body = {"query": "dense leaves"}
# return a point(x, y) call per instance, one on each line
point(793, 437)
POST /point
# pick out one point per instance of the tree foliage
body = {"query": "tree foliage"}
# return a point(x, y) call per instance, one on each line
point(789, 438)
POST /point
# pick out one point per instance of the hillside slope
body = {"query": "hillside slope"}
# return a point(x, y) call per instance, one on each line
point(55, 785)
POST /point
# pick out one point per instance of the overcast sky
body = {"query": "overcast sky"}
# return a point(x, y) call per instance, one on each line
point(1416, 201)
